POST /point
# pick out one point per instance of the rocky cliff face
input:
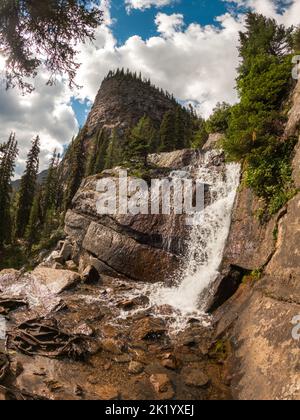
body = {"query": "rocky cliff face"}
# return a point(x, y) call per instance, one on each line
point(121, 103)
point(146, 248)
point(258, 318)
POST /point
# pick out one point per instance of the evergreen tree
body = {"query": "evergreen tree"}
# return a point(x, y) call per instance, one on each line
point(50, 187)
point(263, 83)
point(8, 154)
point(27, 188)
point(263, 36)
point(181, 125)
point(103, 143)
point(219, 120)
point(113, 153)
point(256, 124)
point(296, 41)
point(33, 230)
point(168, 133)
point(138, 144)
point(76, 160)
point(200, 136)
point(33, 32)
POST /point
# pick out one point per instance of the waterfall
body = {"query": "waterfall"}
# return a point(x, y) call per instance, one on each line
point(207, 238)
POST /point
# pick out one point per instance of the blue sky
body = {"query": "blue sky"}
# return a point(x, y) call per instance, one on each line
point(142, 22)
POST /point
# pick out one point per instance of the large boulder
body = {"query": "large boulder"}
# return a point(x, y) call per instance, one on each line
point(137, 247)
point(54, 281)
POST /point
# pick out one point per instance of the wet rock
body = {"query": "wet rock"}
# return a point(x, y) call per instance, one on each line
point(165, 310)
point(213, 141)
point(90, 275)
point(54, 281)
point(170, 361)
point(109, 331)
point(149, 329)
point(196, 378)
point(112, 346)
point(124, 254)
point(139, 354)
point(129, 304)
point(250, 243)
point(107, 393)
point(83, 329)
point(135, 368)
point(224, 287)
point(71, 265)
point(162, 386)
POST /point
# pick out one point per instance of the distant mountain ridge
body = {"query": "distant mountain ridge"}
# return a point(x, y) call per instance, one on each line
point(40, 178)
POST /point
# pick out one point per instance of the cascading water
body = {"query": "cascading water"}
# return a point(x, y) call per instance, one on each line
point(207, 238)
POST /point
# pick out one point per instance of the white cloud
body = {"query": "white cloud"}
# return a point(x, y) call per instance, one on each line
point(46, 112)
point(146, 4)
point(196, 63)
point(167, 25)
point(271, 8)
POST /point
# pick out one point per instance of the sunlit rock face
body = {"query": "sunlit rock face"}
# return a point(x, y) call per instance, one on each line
point(260, 315)
point(122, 103)
point(142, 247)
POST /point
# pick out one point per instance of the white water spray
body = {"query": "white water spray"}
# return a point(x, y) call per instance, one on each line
point(207, 239)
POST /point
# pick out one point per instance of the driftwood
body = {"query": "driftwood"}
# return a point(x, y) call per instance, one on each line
point(44, 338)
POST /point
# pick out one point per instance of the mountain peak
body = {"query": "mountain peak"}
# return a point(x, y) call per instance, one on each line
point(123, 99)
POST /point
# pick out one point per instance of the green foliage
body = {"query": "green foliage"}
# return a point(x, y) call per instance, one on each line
point(113, 156)
point(181, 127)
point(220, 350)
point(200, 135)
point(76, 162)
point(269, 173)
point(168, 133)
point(27, 188)
point(51, 187)
point(256, 124)
point(101, 153)
point(296, 41)
point(33, 231)
point(128, 76)
point(263, 37)
point(218, 121)
point(12, 256)
point(8, 154)
point(138, 144)
point(35, 32)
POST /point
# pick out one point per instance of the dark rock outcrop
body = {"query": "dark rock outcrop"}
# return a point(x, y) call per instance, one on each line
point(258, 319)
